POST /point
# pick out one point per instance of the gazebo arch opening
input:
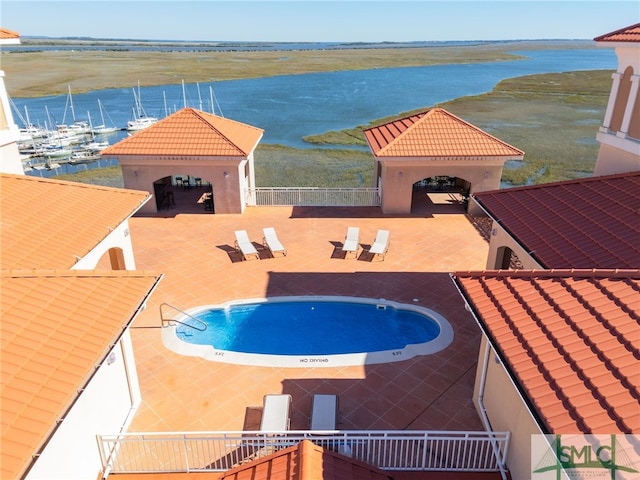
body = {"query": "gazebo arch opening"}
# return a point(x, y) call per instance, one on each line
point(506, 259)
point(440, 190)
point(183, 193)
point(112, 259)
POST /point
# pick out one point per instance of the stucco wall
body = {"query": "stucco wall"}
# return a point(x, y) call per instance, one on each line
point(616, 155)
point(627, 56)
point(10, 157)
point(105, 406)
point(9, 134)
point(399, 176)
point(506, 411)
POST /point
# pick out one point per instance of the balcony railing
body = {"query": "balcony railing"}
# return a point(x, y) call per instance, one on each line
point(313, 196)
point(406, 450)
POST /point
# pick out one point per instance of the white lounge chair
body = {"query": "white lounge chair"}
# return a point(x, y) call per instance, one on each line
point(272, 242)
point(244, 245)
point(276, 410)
point(380, 244)
point(324, 412)
point(351, 241)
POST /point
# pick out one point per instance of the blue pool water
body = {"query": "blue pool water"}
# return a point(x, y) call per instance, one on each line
point(311, 327)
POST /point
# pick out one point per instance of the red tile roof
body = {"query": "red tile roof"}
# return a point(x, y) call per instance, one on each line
point(306, 461)
point(626, 34)
point(5, 33)
point(8, 37)
point(190, 132)
point(571, 340)
point(435, 133)
point(57, 326)
point(47, 223)
point(587, 223)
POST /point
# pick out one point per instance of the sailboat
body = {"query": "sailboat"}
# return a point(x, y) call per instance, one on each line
point(140, 119)
point(103, 129)
point(78, 127)
point(94, 146)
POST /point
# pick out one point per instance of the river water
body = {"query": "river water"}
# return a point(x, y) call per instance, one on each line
point(289, 107)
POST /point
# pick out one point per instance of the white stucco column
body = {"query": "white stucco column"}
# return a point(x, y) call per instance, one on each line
point(251, 199)
point(628, 109)
point(612, 101)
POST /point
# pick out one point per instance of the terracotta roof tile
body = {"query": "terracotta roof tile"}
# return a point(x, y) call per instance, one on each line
point(587, 223)
point(5, 33)
point(306, 461)
point(435, 133)
point(586, 348)
point(626, 34)
point(46, 223)
point(190, 132)
point(48, 358)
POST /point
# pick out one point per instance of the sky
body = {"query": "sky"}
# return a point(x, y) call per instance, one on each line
point(320, 20)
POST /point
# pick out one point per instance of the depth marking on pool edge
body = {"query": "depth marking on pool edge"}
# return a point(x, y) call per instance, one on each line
point(314, 360)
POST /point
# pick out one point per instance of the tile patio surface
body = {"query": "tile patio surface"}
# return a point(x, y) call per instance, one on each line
point(195, 253)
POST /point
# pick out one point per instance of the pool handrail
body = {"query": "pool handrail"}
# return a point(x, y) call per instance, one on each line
point(169, 320)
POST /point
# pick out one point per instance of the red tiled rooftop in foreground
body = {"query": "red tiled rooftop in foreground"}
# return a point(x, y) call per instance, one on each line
point(435, 133)
point(306, 461)
point(47, 353)
point(571, 338)
point(190, 132)
point(626, 34)
point(587, 223)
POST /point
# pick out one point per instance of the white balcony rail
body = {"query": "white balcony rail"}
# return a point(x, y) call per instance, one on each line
point(406, 450)
point(313, 196)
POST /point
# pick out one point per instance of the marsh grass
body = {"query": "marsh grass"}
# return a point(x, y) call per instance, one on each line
point(50, 72)
point(552, 117)
point(279, 166)
point(107, 177)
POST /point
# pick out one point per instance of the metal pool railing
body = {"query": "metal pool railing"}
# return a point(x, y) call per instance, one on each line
point(313, 196)
point(406, 450)
point(196, 324)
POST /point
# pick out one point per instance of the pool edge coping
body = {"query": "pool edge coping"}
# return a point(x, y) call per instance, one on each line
point(208, 352)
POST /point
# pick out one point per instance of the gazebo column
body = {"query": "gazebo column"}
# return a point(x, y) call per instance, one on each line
point(629, 108)
point(608, 114)
point(251, 182)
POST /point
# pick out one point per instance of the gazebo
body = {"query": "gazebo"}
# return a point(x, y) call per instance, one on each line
point(190, 149)
point(435, 150)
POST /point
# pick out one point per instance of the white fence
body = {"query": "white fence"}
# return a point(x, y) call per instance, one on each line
point(406, 450)
point(313, 196)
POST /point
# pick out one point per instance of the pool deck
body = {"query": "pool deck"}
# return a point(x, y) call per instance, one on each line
point(195, 253)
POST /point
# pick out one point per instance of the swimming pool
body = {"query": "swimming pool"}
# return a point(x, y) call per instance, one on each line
point(309, 331)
